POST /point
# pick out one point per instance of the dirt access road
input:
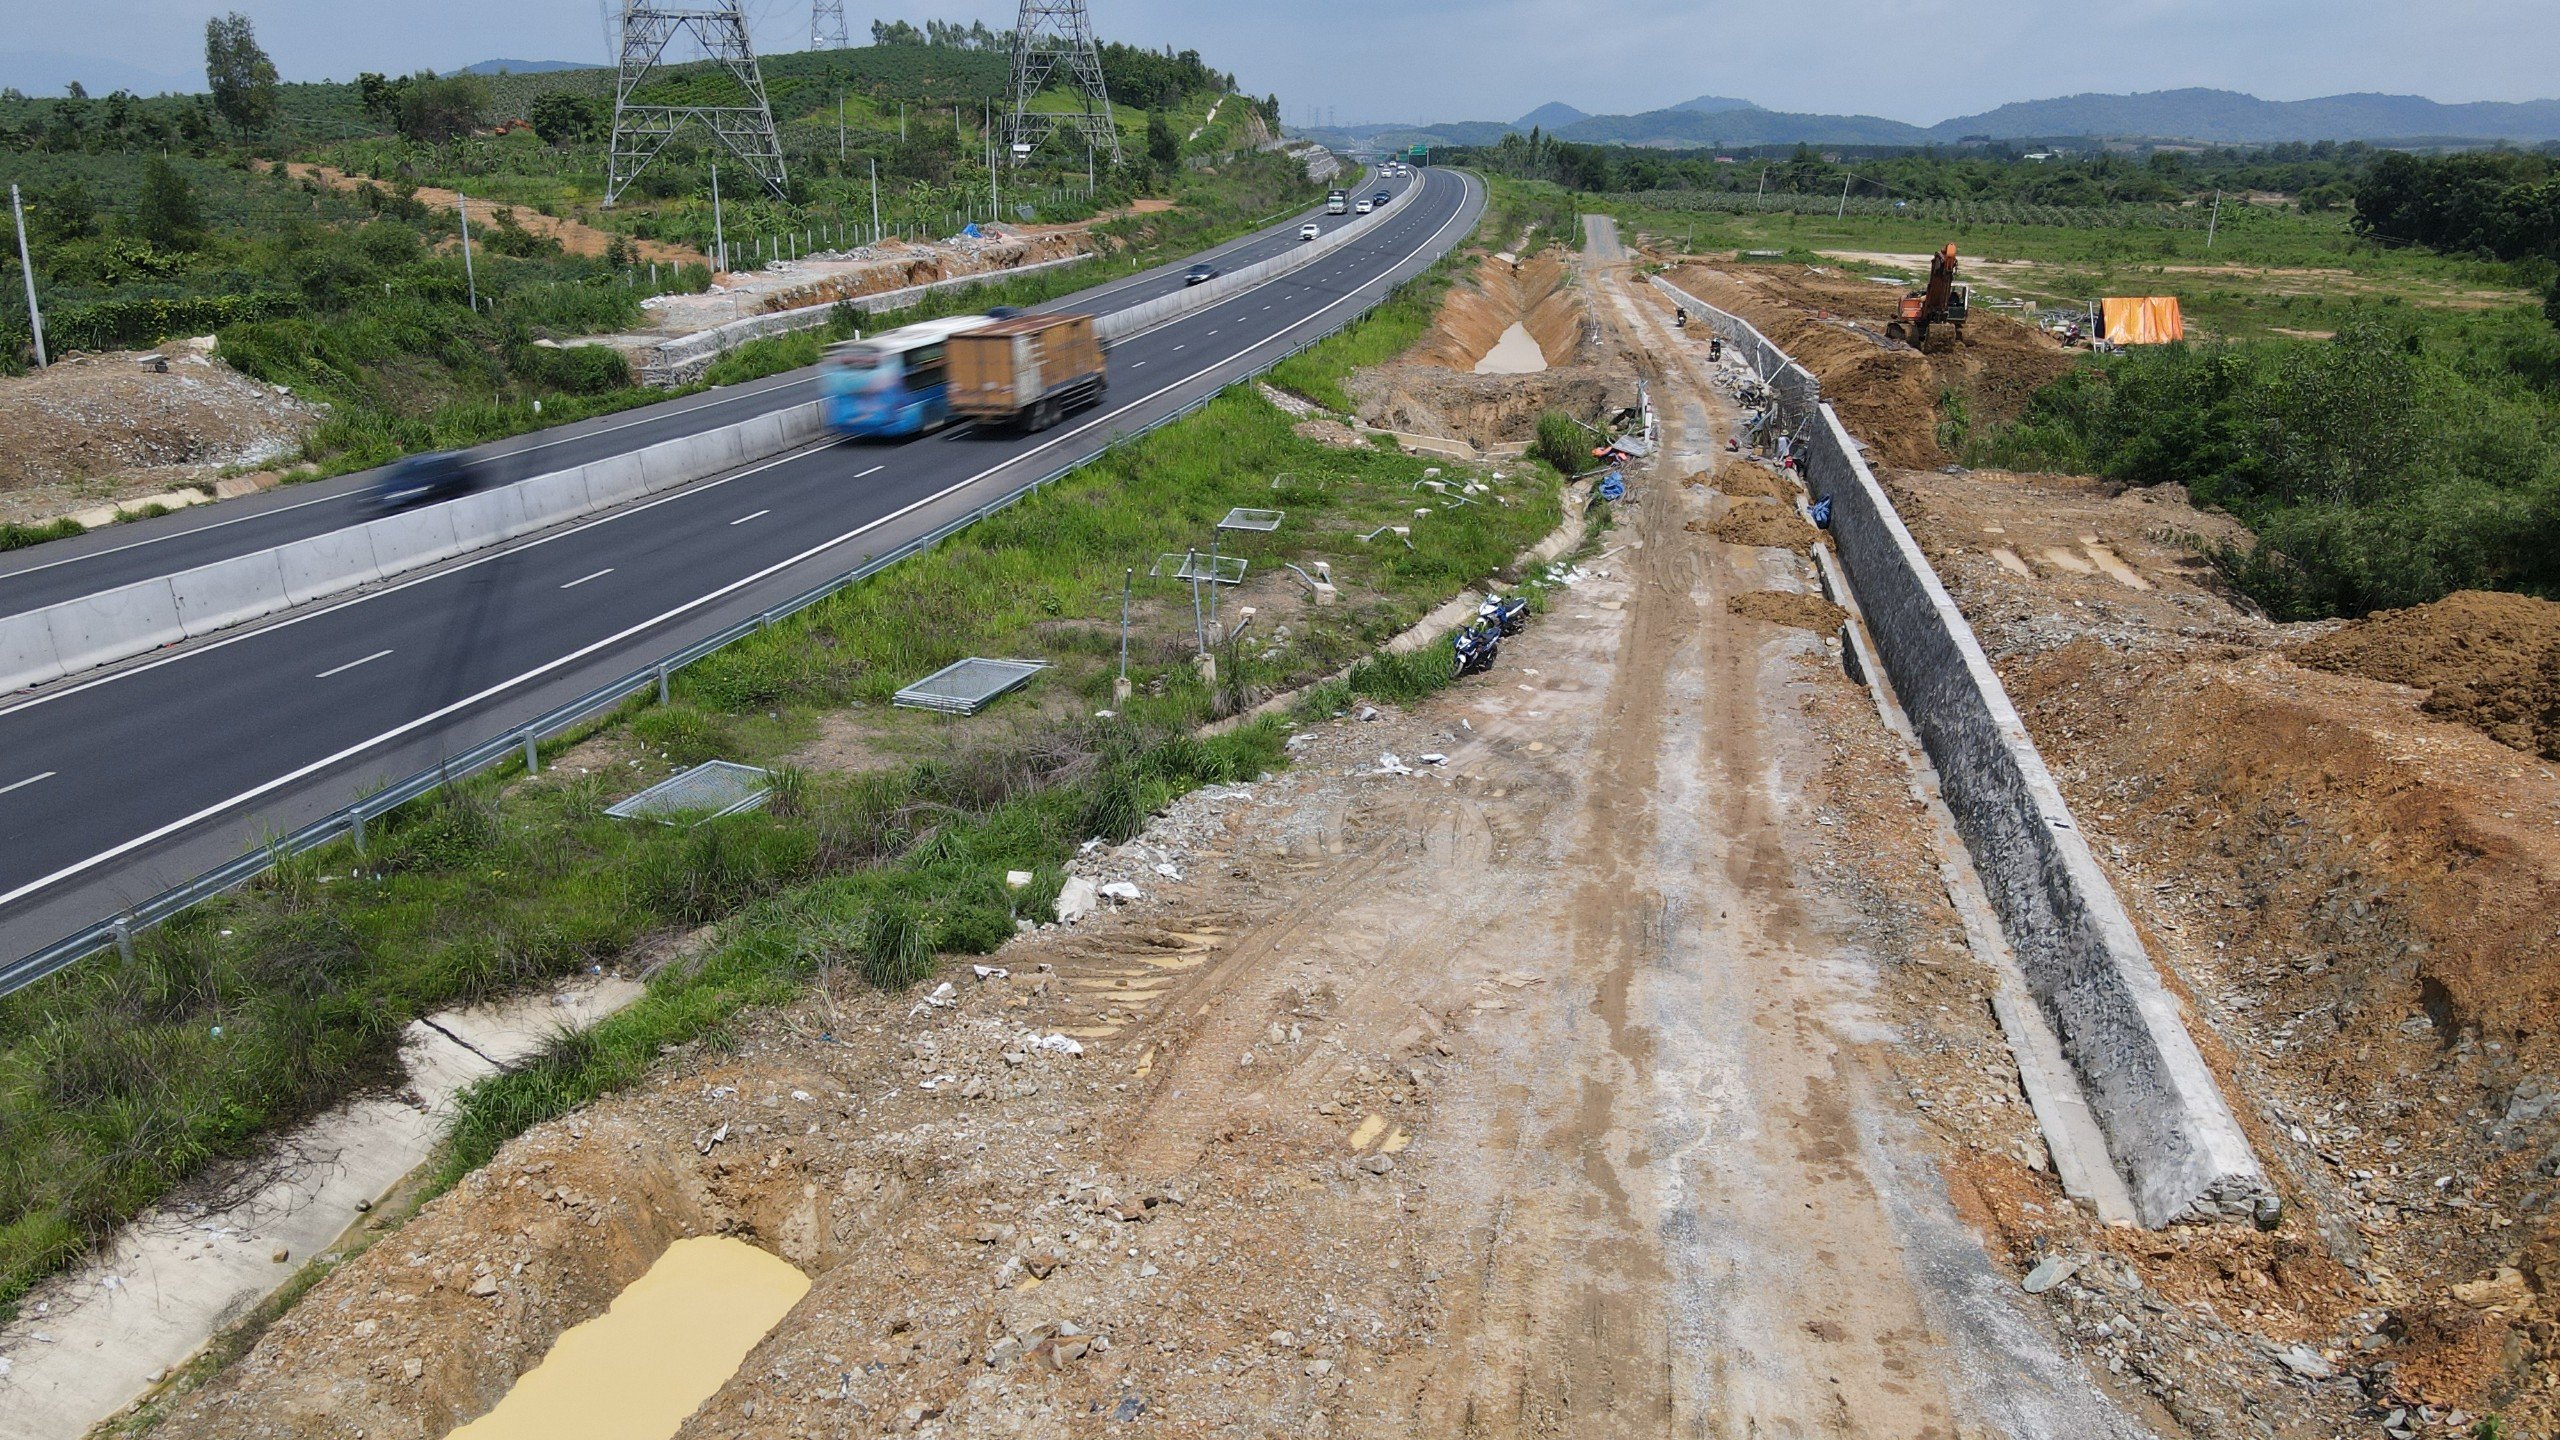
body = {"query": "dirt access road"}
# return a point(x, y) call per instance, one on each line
point(1564, 1088)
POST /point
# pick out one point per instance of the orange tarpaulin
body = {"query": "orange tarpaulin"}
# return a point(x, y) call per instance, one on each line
point(2144, 320)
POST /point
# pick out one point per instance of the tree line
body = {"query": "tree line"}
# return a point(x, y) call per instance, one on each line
point(2321, 175)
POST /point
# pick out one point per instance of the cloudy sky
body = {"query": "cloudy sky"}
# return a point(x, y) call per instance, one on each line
point(1411, 60)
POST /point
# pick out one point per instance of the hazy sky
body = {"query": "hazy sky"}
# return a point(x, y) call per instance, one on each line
point(1409, 60)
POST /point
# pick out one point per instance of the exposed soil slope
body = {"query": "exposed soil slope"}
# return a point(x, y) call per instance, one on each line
point(1432, 389)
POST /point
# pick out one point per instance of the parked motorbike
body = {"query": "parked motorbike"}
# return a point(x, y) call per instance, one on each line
point(1475, 647)
point(1508, 615)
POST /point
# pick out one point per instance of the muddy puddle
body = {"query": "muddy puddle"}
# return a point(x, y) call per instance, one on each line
point(1516, 353)
point(668, 1343)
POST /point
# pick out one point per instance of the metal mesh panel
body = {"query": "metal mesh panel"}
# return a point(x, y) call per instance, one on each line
point(1211, 569)
point(708, 790)
point(1241, 518)
point(967, 686)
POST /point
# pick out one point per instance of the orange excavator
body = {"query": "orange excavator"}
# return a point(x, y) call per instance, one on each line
point(1945, 302)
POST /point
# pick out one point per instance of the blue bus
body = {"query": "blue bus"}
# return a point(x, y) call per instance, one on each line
point(894, 383)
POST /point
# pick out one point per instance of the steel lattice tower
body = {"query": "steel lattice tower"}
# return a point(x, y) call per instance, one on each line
point(1050, 34)
point(826, 25)
point(641, 131)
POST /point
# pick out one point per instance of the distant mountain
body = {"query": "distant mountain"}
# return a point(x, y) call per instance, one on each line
point(1688, 129)
point(524, 67)
point(2227, 117)
point(1550, 116)
point(45, 72)
point(1712, 104)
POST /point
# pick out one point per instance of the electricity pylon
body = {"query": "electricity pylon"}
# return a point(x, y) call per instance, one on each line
point(826, 25)
point(640, 131)
point(1049, 34)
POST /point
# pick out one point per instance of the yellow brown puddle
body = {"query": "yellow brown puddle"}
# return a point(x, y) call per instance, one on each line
point(669, 1342)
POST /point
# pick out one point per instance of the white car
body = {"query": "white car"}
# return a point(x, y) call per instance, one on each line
point(1360, 209)
point(1310, 230)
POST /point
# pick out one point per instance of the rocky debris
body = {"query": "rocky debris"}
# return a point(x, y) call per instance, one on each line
point(92, 428)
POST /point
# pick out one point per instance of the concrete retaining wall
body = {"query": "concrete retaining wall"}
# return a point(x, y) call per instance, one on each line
point(2169, 1131)
point(682, 360)
point(76, 635)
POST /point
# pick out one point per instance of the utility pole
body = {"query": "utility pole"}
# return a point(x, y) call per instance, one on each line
point(875, 197)
point(27, 270)
point(1844, 197)
point(719, 243)
point(839, 127)
point(1760, 201)
point(2213, 220)
point(462, 207)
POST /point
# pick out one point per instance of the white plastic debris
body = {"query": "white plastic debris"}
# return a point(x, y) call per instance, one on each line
point(1059, 1044)
point(1016, 879)
point(1168, 872)
point(991, 972)
point(1435, 758)
point(1120, 890)
point(1076, 899)
point(1388, 764)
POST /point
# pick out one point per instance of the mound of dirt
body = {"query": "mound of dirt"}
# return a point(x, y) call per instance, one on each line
point(1805, 612)
point(2487, 660)
point(90, 416)
point(1886, 393)
point(1758, 522)
point(1741, 479)
point(1482, 410)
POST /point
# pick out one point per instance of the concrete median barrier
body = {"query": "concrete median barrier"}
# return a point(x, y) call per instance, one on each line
point(666, 463)
point(95, 630)
point(229, 592)
point(560, 495)
point(1121, 324)
point(619, 479)
point(326, 564)
point(2169, 1130)
point(26, 651)
point(488, 518)
point(413, 538)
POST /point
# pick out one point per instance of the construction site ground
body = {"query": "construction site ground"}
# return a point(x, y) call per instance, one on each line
point(1623, 1071)
point(2341, 841)
point(1593, 1049)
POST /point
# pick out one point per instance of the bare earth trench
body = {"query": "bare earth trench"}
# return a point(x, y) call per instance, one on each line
point(1569, 1087)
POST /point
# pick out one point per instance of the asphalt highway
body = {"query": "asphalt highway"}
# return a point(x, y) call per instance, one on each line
point(117, 787)
point(46, 574)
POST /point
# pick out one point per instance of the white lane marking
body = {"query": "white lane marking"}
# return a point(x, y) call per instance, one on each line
point(1177, 347)
point(743, 519)
point(583, 579)
point(23, 784)
point(184, 822)
point(874, 470)
point(1137, 364)
point(350, 665)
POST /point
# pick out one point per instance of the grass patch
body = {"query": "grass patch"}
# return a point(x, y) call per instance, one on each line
point(14, 536)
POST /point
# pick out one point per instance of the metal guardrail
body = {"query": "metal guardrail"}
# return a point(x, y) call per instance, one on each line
point(525, 740)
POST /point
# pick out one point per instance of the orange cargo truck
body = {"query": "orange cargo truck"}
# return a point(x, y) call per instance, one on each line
point(1026, 371)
